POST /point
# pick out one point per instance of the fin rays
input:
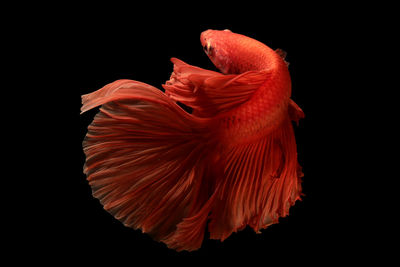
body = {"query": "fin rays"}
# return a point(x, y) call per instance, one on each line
point(157, 168)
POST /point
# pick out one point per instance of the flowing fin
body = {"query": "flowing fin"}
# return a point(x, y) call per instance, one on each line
point(157, 168)
point(122, 89)
point(209, 92)
point(262, 181)
point(145, 162)
point(190, 232)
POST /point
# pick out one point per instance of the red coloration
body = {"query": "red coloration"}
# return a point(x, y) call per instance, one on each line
point(231, 163)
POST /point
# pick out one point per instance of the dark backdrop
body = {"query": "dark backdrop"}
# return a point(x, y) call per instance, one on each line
point(89, 49)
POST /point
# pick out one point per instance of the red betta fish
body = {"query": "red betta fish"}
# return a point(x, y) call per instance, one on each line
point(230, 163)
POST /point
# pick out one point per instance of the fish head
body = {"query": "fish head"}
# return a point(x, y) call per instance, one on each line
point(218, 47)
point(234, 53)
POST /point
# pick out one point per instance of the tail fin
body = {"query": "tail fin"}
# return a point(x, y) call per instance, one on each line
point(145, 162)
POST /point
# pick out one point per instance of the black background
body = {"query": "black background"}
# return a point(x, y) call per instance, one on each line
point(88, 48)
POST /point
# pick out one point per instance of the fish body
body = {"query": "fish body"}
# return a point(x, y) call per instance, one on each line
point(232, 162)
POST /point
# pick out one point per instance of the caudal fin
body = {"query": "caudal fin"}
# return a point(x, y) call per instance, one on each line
point(145, 162)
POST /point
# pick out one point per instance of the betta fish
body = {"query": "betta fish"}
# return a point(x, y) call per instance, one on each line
point(229, 163)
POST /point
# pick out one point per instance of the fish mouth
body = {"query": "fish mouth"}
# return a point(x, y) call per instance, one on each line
point(207, 48)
